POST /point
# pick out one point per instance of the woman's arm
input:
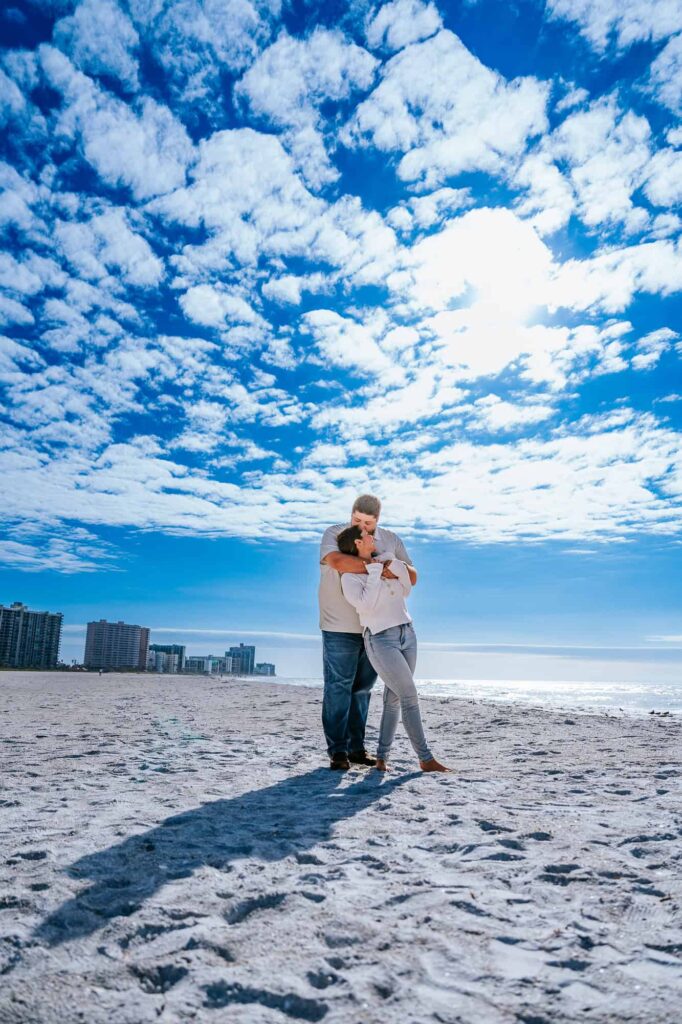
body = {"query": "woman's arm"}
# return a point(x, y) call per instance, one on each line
point(363, 592)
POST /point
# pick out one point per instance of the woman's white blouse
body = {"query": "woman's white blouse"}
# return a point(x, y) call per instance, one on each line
point(379, 603)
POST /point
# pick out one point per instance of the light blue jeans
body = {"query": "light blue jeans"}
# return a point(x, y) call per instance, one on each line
point(393, 654)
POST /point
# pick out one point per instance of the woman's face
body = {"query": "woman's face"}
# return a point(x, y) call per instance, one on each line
point(365, 545)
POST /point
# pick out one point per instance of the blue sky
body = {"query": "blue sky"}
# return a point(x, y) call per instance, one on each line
point(261, 257)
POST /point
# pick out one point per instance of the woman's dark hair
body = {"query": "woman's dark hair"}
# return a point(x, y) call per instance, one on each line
point(347, 538)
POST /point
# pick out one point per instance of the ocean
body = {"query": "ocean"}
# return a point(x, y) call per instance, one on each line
point(636, 698)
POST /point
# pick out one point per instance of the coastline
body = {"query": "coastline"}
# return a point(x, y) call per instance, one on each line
point(180, 850)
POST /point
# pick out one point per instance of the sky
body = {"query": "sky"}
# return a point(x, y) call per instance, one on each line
point(261, 257)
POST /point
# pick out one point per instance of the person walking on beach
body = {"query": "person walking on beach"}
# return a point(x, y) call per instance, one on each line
point(390, 642)
point(348, 672)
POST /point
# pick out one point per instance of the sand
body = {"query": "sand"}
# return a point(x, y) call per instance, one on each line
point(175, 849)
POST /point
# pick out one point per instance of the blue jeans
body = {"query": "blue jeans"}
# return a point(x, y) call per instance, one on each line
point(393, 652)
point(348, 681)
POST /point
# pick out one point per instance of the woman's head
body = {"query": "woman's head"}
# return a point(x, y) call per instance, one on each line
point(354, 541)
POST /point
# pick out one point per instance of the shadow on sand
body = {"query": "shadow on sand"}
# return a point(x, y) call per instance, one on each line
point(269, 824)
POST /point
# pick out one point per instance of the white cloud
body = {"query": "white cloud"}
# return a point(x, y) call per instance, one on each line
point(495, 414)
point(651, 347)
point(74, 551)
point(602, 480)
point(356, 241)
point(477, 343)
point(14, 312)
point(489, 253)
point(17, 276)
point(245, 212)
point(290, 80)
point(664, 178)
point(288, 288)
point(270, 215)
point(145, 148)
point(447, 113)
point(665, 75)
point(108, 242)
point(575, 97)
point(12, 102)
point(609, 280)
point(591, 164)
point(213, 307)
point(550, 200)
point(665, 225)
point(424, 211)
point(14, 356)
point(67, 329)
point(17, 198)
point(131, 427)
point(344, 342)
point(395, 25)
point(430, 393)
point(327, 455)
point(604, 21)
point(101, 40)
point(197, 41)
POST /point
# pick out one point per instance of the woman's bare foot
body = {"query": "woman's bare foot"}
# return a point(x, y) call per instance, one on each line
point(433, 766)
point(381, 765)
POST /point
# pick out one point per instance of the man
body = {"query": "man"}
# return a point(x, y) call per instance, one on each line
point(348, 674)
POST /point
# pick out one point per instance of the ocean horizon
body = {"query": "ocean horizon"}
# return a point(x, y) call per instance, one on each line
point(578, 695)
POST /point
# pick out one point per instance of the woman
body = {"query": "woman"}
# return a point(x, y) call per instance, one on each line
point(390, 642)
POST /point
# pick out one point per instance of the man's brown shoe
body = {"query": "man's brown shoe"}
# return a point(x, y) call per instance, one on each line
point(362, 757)
point(339, 762)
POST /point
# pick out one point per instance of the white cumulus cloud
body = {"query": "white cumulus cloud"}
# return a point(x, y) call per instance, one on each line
point(395, 25)
point(447, 113)
point(290, 80)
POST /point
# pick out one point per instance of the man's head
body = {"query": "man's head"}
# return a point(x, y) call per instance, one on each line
point(366, 512)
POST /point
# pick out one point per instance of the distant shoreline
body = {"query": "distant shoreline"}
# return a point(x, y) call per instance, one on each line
point(574, 697)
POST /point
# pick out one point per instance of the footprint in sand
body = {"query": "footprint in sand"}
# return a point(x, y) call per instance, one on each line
point(248, 907)
point(322, 979)
point(223, 993)
point(159, 978)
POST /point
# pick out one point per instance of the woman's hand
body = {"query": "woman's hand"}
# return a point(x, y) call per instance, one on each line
point(387, 574)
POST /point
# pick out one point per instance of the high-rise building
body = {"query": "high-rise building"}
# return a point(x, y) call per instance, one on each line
point(208, 664)
point(243, 659)
point(166, 658)
point(265, 668)
point(116, 645)
point(29, 639)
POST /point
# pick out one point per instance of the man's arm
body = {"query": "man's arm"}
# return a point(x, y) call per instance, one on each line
point(349, 563)
point(402, 575)
point(401, 553)
point(344, 563)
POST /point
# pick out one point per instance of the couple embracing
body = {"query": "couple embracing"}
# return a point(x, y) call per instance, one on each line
point(365, 578)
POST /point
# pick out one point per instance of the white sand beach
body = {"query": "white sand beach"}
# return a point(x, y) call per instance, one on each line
point(176, 849)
